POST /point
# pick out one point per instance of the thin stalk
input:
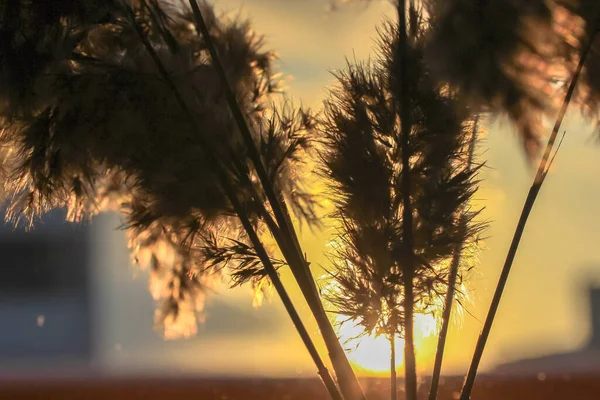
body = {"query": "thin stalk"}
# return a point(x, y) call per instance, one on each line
point(283, 242)
point(393, 377)
point(287, 250)
point(456, 257)
point(285, 246)
point(514, 245)
point(410, 367)
point(286, 300)
point(239, 210)
point(347, 379)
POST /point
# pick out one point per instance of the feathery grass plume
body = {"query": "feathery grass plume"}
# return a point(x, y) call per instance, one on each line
point(517, 57)
point(240, 260)
point(94, 127)
point(36, 36)
point(280, 224)
point(578, 21)
point(497, 53)
point(136, 116)
point(254, 155)
point(362, 147)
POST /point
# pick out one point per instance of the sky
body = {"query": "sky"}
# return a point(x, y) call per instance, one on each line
point(544, 309)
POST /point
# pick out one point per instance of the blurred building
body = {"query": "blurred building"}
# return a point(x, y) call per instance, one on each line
point(595, 311)
point(71, 305)
point(45, 300)
point(583, 361)
point(67, 299)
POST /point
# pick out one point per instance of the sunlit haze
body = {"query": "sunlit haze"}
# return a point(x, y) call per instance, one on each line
point(371, 355)
point(544, 309)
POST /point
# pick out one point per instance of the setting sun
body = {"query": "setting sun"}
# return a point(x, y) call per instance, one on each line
point(371, 355)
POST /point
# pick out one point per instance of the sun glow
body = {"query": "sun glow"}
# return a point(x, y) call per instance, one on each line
point(371, 355)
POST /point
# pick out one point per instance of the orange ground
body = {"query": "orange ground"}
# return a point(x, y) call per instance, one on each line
point(576, 388)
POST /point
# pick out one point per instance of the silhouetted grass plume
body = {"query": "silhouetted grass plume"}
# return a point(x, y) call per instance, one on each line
point(516, 57)
point(102, 121)
point(361, 158)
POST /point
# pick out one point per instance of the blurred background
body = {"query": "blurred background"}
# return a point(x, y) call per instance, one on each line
point(72, 305)
point(73, 309)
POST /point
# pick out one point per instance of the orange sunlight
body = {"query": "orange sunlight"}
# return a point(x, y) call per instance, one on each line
point(371, 355)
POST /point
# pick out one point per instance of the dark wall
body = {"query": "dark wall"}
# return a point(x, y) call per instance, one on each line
point(44, 291)
point(595, 317)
